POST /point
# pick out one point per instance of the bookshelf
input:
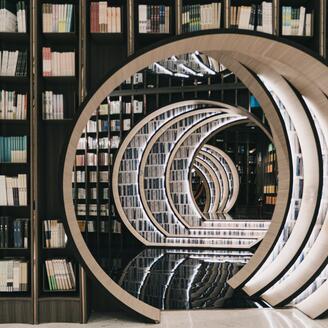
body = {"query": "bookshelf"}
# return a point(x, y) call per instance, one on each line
point(153, 22)
point(270, 176)
point(57, 95)
point(96, 54)
point(16, 224)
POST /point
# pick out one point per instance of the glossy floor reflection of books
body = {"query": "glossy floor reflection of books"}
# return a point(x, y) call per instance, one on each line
point(176, 279)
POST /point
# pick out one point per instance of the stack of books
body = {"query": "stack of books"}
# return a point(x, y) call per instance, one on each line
point(296, 21)
point(60, 275)
point(13, 149)
point(58, 63)
point(12, 16)
point(201, 17)
point(13, 106)
point(104, 18)
point(52, 106)
point(13, 277)
point(13, 190)
point(54, 234)
point(154, 19)
point(264, 18)
point(13, 232)
point(243, 17)
point(13, 63)
point(57, 18)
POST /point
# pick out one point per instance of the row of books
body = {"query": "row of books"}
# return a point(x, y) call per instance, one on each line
point(252, 17)
point(13, 276)
point(52, 106)
point(12, 16)
point(115, 125)
point(89, 225)
point(270, 189)
point(92, 159)
point(57, 63)
point(57, 18)
point(13, 149)
point(13, 63)
point(54, 234)
point(13, 105)
point(154, 19)
point(60, 274)
point(14, 232)
point(92, 143)
point(13, 190)
point(201, 17)
point(104, 18)
point(81, 209)
point(296, 21)
point(94, 176)
point(272, 156)
point(270, 200)
point(118, 107)
point(269, 168)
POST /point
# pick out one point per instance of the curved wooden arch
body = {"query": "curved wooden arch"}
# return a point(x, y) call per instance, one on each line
point(235, 176)
point(313, 75)
point(220, 173)
point(211, 177)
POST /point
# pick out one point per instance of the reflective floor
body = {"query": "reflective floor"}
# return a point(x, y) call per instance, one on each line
point(247, 318)
point(172, 279)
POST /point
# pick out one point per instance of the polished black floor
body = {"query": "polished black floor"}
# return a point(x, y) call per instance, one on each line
point(181, 279)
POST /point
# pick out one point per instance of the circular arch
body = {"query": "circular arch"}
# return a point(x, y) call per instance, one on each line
point(306, 73)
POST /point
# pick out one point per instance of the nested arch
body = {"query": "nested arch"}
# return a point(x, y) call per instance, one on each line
point(305, 72)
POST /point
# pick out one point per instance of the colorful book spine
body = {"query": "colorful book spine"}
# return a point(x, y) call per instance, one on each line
point(13, 149)
point(58, 63)
point(13, 63)
point(104, 18)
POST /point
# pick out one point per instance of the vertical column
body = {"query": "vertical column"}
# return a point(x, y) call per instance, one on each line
point(82, 94)
point(178, 13)
point(34, 161)
point(130, 25)
point(226, 4)
point(275, 16)
point(323, 29)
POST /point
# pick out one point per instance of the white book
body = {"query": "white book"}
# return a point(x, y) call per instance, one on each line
point(16, 275)
point(4, 64)
point(3, 191)
point(301, 26)
point(112, 21)
point(14, 63)
point(118, 20)
point(142, 14)
point(308, 24)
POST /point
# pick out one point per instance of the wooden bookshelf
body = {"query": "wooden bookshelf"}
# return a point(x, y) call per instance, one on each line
point(95, 57)
point(51, 130)
point(17, 306)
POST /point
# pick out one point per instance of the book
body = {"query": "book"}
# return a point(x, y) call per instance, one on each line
point(57, 63)
point(13, 149)
point(12, 16)
point(14, 233)
point(54, 234)
point(52, 106)
point(14, 275)
point(201, 17)
point(60, 274)
point(13, 63)
point(296, 21)
point(13, 190)
point(13, 105)
point(57, 18)
point(104, 18)
point(154, 19)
